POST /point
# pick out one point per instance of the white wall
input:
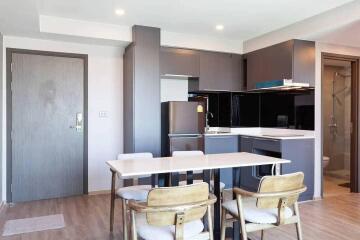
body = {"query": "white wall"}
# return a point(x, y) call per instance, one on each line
point(202, 42)
point(105, 91)
point(320, 48)
point(1, 77)
point(174, 90)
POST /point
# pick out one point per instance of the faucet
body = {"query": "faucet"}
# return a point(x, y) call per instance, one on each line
point(207, 127)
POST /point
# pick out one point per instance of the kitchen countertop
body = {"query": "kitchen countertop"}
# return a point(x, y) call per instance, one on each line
point(271, 133)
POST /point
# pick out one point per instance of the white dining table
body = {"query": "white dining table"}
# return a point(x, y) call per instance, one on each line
point(172, 165)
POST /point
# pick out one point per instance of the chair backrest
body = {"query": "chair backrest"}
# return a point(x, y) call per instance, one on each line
point(281, 183)
point(125, 156)
point(177, 197)
point(187, 153)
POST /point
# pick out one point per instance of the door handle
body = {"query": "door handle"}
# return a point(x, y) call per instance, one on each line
point(78, 122)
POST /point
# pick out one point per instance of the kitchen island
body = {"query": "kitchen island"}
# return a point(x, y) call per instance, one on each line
point(295, 145)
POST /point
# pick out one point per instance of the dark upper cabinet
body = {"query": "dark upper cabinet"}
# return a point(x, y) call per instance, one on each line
point(177, 61)
point(216, 70)
point(220, 71)
point(294, 59)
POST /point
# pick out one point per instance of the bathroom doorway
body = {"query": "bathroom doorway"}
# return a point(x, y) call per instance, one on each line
point(339, 123)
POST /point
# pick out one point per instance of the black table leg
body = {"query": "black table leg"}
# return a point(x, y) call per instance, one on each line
point(236, 183)
point(154, 180)
point(189, 177)
point(163, 180)
point(217, 205)
point(207, 176)
point(174, 179)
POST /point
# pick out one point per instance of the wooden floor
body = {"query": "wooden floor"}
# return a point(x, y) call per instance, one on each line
point(87, 217)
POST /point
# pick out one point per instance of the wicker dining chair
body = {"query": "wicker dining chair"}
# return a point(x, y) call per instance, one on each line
point(173, 213)
point(275, 204)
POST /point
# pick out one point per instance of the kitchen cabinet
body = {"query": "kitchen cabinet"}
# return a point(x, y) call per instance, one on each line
point(215, 70)
point(299, 151)
point(294, 59)
point(251, 176)
point(220, 71)
point(142, 92)
point(177, 61)
point(301, 154)
point(222, 144)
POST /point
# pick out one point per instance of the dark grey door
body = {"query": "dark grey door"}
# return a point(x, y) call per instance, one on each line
point(47, 127)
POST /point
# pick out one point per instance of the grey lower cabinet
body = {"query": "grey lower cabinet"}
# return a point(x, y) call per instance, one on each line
point(301, 154)
point(223, 144)
point(299, 151)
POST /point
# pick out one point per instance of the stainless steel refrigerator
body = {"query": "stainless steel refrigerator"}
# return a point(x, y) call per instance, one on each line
point(182, 125)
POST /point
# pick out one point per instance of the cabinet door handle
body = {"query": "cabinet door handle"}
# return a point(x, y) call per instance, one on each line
point(267, 139)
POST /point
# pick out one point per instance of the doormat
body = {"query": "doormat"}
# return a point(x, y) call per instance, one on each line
point(347, 185)
point(35, 224)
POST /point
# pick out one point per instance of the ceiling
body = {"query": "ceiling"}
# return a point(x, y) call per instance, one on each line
point(242, 19)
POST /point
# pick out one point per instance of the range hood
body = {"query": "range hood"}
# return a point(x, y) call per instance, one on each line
point(284, 84)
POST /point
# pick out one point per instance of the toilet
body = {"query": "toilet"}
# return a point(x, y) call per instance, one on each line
point(326, 161)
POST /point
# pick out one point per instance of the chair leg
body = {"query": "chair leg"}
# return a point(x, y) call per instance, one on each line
point(124, 212)
point(223, 224)
point(298, 224)
point(298, 231)
point(112, 201)
point(241, 217)
point(210, 223)
point(262, 234)
point(133, 226)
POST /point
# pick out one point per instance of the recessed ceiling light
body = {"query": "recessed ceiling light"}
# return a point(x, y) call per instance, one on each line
point(219, 27)
point(120, 11)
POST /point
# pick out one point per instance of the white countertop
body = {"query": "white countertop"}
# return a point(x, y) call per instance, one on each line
point(272, 133)
point(139, 167)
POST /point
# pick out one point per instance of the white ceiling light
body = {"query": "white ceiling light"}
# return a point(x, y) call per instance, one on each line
point(120, 12)
point(219, 27)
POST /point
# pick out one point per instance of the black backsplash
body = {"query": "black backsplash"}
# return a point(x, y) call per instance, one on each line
point(225, 109)
point(284, 109)
point(277, 110)
point(245, 110)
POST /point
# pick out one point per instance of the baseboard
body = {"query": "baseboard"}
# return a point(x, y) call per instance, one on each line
point(99, 192)
point(2, 206)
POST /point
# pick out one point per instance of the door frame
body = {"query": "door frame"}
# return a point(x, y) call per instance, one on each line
point(354, 148)
point(9, 52)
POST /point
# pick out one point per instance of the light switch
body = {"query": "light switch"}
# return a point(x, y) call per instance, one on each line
point(103, 114)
